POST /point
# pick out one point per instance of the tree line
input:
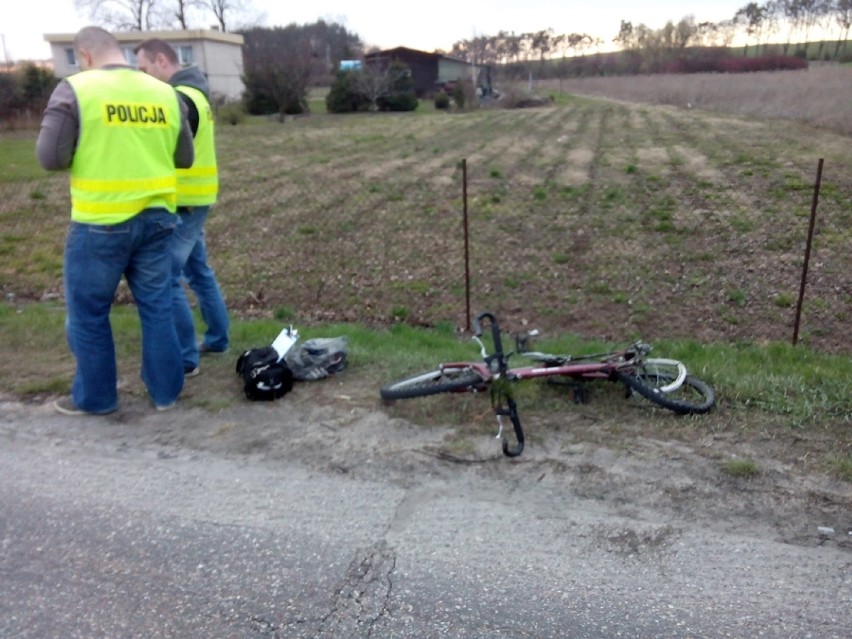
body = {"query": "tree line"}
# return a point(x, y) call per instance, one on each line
point(281, 63)
point(759, 23)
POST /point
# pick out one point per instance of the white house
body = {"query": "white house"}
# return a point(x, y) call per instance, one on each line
point(217, 54)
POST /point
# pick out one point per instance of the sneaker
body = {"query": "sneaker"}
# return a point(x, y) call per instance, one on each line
point(164, 407)
point(191, 372)
point(66, 406)
point(203, 349)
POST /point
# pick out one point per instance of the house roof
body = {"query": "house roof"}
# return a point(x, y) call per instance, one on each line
point(407, 50)
point(135, 36)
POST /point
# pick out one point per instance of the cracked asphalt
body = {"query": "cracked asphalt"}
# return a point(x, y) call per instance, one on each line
point(122, 529)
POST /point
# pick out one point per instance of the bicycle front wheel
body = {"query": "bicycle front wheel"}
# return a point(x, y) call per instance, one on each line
point(692, 397)
point(441, 380)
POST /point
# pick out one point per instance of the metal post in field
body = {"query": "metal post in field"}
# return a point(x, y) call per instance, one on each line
point(466, 248)
point(807, 253)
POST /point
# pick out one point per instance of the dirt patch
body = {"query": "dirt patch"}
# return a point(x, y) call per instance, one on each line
point(602, 451)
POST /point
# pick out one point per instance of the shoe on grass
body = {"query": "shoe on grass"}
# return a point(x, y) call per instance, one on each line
point(190, 371)
point(164, 407)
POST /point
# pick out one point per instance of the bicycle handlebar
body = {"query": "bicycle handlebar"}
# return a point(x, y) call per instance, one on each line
point(495, 336)
point(510, 409)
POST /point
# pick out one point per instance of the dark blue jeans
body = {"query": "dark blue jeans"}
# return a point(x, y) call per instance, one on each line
point(189, 262)
point(96, 257)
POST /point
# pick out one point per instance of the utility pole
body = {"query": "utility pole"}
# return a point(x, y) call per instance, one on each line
point(5, 54)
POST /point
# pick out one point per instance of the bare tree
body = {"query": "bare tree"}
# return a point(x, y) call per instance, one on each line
point(576, 42)
point(626, 37)
point(791, 11)
point(144, 15)
point(379, 80)
point(685, 32)
point(812, 13)
point(542, 42)
point(752, 16)
point(843, 17)
point(278, 66)
point(180, 10)
point(226, 11)
point(124, 15)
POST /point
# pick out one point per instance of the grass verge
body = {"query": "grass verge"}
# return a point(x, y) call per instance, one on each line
point(807, 389)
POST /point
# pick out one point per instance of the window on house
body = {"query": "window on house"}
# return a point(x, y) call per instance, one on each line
point(129, 55)
point(70, 58)
point(185, 56)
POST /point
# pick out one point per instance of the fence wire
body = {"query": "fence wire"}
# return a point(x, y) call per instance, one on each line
point(590, 245)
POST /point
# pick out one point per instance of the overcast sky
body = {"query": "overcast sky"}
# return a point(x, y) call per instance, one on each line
point(419, 25)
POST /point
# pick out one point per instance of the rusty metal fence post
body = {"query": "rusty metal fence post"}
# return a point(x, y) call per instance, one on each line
point(807, 253)
point(466, 247)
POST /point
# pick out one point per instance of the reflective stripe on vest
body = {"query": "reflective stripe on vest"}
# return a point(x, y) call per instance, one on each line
point(124, 160)
point(199, 185)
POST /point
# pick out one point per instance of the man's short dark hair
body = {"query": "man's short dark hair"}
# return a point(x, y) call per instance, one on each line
point(153, 46)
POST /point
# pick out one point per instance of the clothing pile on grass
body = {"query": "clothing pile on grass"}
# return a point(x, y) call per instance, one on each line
point(269, 372)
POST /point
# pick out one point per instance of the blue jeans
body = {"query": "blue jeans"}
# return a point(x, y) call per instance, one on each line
point(189, 262)
point(95, 259)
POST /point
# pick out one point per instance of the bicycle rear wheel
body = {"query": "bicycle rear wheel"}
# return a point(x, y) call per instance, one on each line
point(441, 380)
point(693, 397)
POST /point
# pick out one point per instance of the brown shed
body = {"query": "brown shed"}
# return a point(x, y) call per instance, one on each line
point(430, 71)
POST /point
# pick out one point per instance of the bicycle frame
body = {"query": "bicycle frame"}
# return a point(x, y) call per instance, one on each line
point(654, 379)
point(495, 367)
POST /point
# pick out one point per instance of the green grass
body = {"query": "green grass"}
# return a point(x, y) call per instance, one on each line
point(841, 467)
point(802, 385)
point(742, 468)
point(766, 388)
point(18, 157)
point(594, 232)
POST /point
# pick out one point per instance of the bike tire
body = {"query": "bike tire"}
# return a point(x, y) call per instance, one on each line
point(446, 380)
point(694, 397)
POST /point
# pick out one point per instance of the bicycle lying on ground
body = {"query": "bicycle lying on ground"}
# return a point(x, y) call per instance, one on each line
point(664, 382)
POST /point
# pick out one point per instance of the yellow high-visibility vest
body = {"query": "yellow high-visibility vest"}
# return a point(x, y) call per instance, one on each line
point(199, 184)
point(124, 160)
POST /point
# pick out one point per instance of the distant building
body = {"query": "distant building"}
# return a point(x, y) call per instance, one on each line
point(431, 72)
point(350, 65)
point(217, 54)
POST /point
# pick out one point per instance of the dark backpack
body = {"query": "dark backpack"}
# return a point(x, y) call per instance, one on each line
point(265, 375)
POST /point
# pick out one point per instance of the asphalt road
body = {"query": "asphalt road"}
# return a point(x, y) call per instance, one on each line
point(113, 540)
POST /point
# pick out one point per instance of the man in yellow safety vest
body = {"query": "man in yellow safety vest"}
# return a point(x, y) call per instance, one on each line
point(122, 134)
point(197, 189)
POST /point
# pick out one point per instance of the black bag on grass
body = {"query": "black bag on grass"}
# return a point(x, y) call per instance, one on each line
point(265, 375)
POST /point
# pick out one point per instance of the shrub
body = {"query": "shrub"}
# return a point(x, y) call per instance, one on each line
point(442, 101)
point(24, 93)
point(398, 102)
point(458, 95)
point(355, 90)
point(400, 95)
point(765, 63)
point(231, 112)
point(344, 95)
